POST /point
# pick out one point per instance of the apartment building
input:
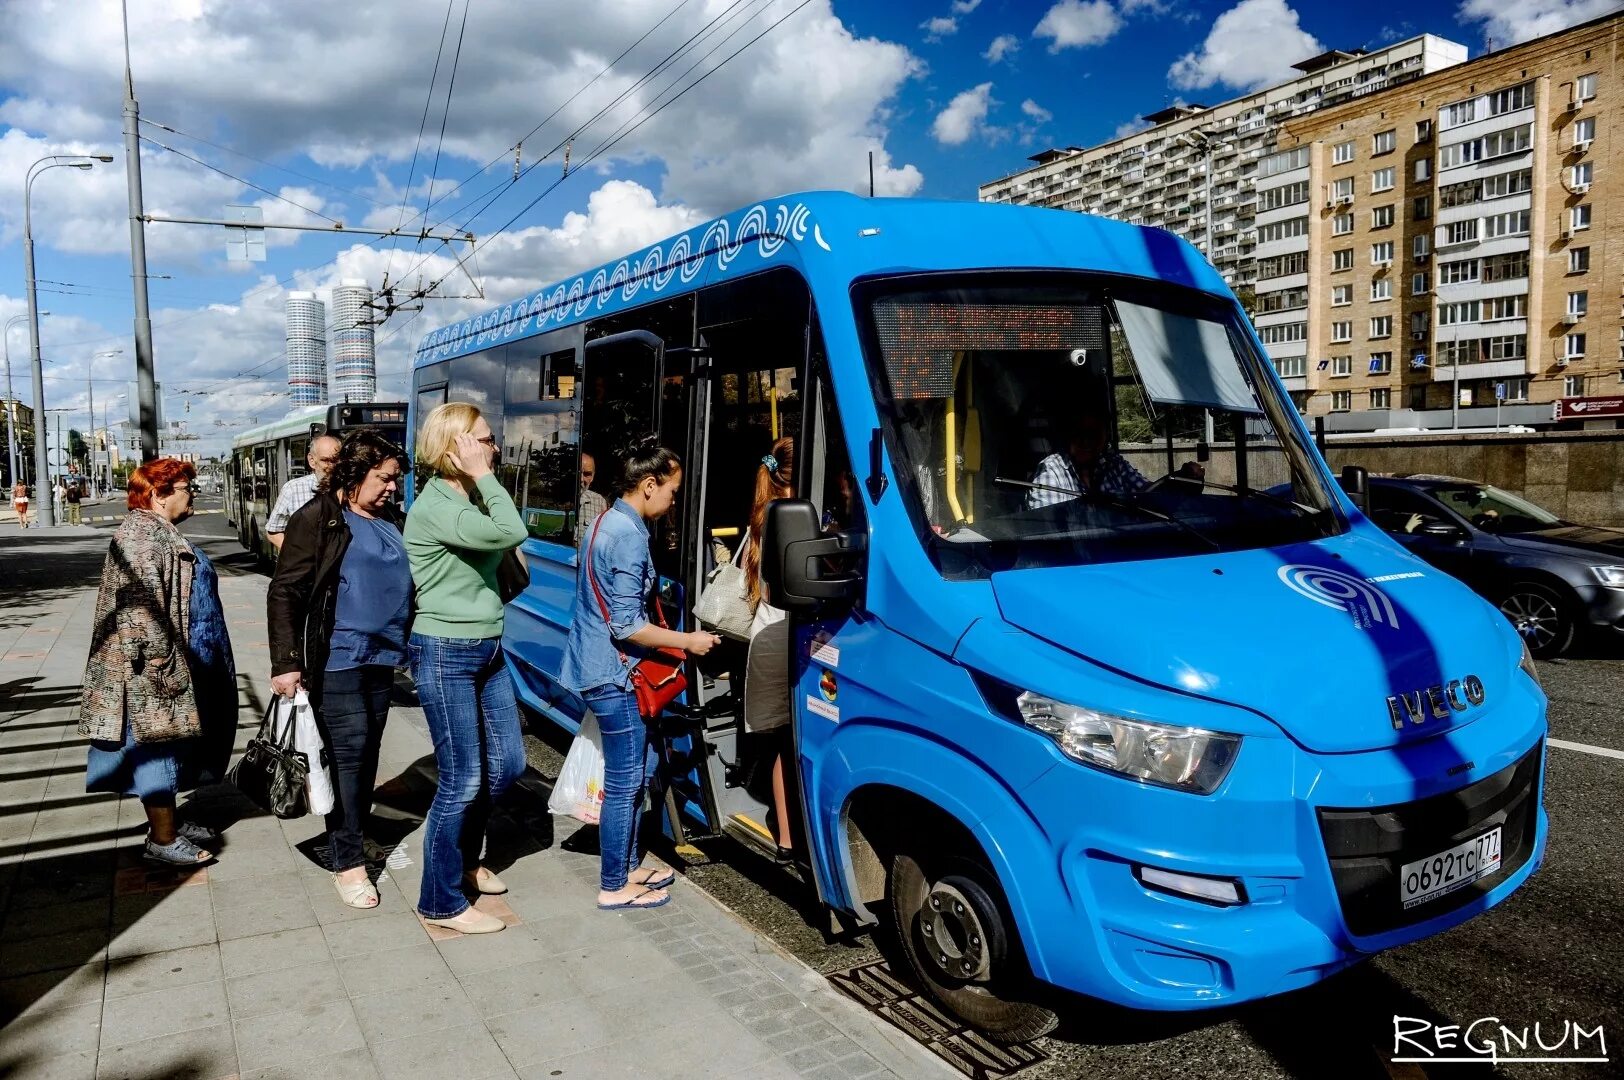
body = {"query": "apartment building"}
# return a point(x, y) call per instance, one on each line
point(1462, 263)
point(1198, 168)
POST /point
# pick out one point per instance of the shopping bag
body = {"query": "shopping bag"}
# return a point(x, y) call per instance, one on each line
point(578, 792)
point(271, 772)
point(725, 602)
point(307, 740)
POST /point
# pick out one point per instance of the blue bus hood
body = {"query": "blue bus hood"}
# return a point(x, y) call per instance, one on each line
point(1315, 636)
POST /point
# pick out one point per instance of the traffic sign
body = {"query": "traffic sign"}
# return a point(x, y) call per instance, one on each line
point(56, 456)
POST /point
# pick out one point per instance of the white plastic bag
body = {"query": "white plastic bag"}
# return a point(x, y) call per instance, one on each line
point(578, 792)
point(307, 740)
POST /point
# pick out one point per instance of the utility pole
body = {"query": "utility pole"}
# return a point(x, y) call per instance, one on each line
point(42, 465)
point(90, 466)
point(145, 379)
point(1454, 394)
point(11, 405)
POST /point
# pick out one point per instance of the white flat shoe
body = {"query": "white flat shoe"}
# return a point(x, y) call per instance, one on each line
point(470, 921)
point(489, 885)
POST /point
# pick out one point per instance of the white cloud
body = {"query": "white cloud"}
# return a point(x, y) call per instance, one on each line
point(1508, 22)
point(964, 7)
point(965, 116)
point(1075, 23)
point(1128, 127)
point(1153, 7)
point(344, 85)
point(1036, 111)
point(1251, 45)
point(1002, 47)
point(939, 27)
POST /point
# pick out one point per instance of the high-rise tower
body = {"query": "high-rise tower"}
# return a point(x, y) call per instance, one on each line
point(307, 349)
point(355, 363)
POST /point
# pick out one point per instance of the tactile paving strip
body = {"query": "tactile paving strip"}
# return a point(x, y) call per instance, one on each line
point(876, 988)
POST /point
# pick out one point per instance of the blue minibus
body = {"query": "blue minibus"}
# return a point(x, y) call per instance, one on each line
point(1099, 679)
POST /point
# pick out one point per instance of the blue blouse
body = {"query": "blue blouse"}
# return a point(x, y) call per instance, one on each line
point(374, 597)
point(624, 571)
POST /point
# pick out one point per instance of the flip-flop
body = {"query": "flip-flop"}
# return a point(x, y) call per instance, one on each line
point(664, 881)
point(633, 905)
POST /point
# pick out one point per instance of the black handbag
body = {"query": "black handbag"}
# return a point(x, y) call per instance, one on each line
point(271, 772)
point(512, 576)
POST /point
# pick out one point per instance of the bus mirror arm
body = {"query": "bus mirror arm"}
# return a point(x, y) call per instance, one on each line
point(876, 470)
point(795, 558)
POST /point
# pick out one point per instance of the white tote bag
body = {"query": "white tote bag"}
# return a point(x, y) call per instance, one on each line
point(578, 792)
point(307, 740)
point(724, 603)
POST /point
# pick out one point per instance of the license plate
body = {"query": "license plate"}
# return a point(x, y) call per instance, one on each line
point(1441, 874)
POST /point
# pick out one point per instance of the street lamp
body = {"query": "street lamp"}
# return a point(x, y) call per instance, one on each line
point(42, 464)
point(11, 401)
point(90, 466)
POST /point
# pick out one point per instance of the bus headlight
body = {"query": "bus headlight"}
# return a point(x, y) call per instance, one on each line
point(1527, 662)
point(1187, 758)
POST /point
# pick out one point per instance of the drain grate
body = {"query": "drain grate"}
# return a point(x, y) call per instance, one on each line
point(877, 988)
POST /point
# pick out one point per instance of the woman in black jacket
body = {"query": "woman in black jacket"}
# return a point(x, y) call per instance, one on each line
point(337, 612)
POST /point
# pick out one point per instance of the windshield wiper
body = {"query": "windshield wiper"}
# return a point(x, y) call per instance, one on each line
point(1244, 492)
point(1114, 500)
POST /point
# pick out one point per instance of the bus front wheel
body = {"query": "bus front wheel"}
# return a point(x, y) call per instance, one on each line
point(954, 928)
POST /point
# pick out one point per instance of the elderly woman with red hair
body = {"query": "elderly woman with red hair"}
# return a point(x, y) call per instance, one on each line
point(160, 695)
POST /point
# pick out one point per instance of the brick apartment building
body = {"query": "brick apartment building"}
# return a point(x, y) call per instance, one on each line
point(1445, 231)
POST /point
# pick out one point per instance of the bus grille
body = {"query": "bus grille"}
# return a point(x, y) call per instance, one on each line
point(1367, 847)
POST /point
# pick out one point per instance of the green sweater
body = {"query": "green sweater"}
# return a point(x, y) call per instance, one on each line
point(454, 547)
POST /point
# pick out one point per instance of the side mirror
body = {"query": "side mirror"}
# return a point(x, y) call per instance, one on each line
point(1355, 480)
point(796, 555)
point(1442, 530)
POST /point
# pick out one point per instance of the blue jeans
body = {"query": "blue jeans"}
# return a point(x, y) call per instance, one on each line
point(351, 708)
point(628, 762)
point(473, 717)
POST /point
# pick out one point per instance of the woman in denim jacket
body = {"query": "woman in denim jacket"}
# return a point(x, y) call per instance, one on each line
point(599, 657)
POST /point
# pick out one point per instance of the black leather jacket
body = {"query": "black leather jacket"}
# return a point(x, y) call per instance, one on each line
point(302, 601)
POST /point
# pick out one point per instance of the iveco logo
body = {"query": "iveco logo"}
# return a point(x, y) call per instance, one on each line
point(1435, 702)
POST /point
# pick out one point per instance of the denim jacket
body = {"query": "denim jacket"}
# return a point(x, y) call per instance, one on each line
point(624, 571)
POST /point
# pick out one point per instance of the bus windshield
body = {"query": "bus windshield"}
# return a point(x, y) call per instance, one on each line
point(1043, 420)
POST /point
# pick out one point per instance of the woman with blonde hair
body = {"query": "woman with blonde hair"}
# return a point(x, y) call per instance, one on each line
point(766, 678)
point(459, 527)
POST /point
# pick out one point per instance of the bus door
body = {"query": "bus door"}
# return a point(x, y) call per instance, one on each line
point(827, 641)
point(633, 385)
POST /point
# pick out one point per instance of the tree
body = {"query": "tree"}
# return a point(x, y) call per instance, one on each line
point(78, 449)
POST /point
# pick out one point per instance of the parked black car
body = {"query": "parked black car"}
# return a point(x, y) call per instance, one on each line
point(1551, 578)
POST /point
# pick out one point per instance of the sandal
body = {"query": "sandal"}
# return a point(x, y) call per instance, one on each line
point(357, 894)
point(659, 877)
point(636, 904)
point(196, 833)
point(180, 853)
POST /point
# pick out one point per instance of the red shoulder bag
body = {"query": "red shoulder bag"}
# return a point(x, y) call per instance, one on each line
point(656, 679)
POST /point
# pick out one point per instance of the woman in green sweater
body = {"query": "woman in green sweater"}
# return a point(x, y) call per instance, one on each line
point(458, 529)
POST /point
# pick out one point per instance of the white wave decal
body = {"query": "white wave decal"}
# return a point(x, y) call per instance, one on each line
point(1367, 604)
point(657, 269)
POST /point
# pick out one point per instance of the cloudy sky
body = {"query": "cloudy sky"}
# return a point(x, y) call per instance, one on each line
point(313, 111)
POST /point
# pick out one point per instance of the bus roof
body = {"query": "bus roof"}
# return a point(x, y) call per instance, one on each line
point(294, 423)
point(842, 236)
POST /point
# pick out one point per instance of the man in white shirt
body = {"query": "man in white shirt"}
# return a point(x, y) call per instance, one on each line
point(301, 489)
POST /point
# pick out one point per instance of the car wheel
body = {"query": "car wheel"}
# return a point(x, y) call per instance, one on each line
point(953, 925)
point(1542, 616)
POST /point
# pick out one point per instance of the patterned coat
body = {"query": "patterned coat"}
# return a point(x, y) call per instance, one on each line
point(137, 669)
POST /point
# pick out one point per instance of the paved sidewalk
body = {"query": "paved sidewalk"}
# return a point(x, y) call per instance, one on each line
point(252, 967)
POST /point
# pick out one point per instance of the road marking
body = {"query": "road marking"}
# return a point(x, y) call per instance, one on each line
point(1586, 748)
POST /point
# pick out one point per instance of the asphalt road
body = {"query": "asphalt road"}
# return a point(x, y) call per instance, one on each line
point(1554, 953)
